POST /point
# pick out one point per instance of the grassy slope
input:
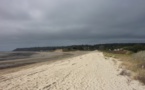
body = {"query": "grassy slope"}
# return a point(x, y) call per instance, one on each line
point(131, 62)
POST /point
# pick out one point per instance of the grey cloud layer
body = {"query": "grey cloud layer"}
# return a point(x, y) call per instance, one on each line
point(65, 22)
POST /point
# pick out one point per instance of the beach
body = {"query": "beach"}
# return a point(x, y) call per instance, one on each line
point(87, 71)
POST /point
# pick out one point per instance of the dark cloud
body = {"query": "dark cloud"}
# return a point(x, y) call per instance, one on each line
point(27, 23)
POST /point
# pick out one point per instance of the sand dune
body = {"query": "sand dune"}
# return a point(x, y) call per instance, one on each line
point(86, 72)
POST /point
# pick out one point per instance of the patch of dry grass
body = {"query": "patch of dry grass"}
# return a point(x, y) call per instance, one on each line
point(134, 62)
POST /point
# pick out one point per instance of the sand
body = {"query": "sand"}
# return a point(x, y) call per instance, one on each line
point(90, 71)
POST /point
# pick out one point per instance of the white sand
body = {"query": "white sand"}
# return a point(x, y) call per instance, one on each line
point(86, 72)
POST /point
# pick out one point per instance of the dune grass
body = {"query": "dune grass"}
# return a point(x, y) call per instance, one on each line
point(134, 62)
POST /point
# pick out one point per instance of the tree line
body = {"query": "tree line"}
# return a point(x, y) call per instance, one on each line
point(134, 47)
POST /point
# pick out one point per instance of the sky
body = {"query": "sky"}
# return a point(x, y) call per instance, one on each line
point(36, 23)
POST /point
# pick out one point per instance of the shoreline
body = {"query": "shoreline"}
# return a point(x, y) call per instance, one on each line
point(38, 59)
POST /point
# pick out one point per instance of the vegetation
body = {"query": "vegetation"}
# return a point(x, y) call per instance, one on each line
point(134, 62)
point(133, 47)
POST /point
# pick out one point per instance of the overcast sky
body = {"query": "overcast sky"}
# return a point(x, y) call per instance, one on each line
point(28, 23)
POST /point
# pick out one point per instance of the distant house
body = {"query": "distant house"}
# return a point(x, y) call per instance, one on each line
point(58, 50)
point(119, 49)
